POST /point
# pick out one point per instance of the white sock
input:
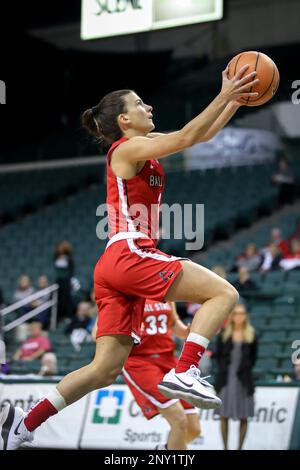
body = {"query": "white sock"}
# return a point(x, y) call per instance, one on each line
point(198, 339)
point(56, 399)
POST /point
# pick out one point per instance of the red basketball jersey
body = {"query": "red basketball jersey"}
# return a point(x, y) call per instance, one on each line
point(156, 330)
point(133, 204)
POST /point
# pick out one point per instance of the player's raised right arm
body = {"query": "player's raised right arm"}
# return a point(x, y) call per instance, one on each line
point(142, 148)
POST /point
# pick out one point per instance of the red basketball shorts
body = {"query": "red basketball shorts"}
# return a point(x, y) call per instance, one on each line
point(142, 375)
point(128, 272)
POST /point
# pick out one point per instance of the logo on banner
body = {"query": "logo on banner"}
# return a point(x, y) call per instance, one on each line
point(117, 6)
point(108, 407)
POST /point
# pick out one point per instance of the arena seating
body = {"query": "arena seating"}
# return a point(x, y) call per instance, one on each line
point(27, 191)
point(233, 198)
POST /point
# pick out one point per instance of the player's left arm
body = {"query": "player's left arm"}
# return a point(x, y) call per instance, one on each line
point(221, 122)
point(178, 327)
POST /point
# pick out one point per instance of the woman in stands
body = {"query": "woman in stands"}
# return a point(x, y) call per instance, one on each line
point(131, 268)
point(155, 357)
point(236, 353)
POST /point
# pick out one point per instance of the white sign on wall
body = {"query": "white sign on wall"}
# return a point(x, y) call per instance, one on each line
point(61, 431)
point(106, 18)
point(110, 419)
point(115, 420)
point(111, 18)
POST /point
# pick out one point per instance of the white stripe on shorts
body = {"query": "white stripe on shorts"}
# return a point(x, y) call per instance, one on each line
point(144, 254)
point(150, 398)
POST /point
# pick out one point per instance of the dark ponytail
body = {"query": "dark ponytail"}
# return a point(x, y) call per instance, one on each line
point(90, 124)
point(101, 121)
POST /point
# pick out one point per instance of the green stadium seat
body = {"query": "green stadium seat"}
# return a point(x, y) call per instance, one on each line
point(266, 364)
point(273, 336)
point(268, 350)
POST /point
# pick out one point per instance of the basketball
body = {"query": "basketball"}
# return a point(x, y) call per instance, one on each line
point(267, 72)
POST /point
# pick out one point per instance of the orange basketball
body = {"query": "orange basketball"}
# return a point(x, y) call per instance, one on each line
point(267, 73)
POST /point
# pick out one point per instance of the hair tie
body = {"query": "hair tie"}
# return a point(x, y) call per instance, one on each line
point(94, 110)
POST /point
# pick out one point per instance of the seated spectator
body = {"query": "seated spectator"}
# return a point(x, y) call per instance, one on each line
point(35, 346)
point(285, 179)
point(43, 317)
point(93, 312)
point(49, 364)
point(244, 281)
point(24, 290)
point(78, 327)
point(292, 259)
point(250, 259)
point(277, 239)
point(271, 258)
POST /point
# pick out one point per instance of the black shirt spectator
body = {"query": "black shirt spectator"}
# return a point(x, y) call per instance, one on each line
point(285, 179)
point(64, 268)
point(244, 281)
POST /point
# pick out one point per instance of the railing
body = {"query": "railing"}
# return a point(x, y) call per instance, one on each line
point(52, 303)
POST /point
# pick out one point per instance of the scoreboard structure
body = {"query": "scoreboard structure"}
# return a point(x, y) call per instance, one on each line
point(107, 18)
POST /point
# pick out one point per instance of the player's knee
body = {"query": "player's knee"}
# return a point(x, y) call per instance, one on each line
point(232, 295)
point(179, 421)
point(103, 376)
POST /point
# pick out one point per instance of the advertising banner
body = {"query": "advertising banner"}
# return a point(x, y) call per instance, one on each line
point(61, 431)
point(114, 419)
point(233, 147)
point(110, 419)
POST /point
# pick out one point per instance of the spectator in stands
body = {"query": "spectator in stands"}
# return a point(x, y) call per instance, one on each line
point(49, 364)
point(64, 268)
point(93, 311)
point(292, 259)
point(79, 326)
point(250, 259)
point(244, 281)
point(285, 179)
point(43, 317)
point(35, 346)
point(24, 290)
point(271, 256)
point(277, 239)
point(235, 353)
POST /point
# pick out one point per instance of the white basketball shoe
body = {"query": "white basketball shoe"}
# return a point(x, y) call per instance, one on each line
point(191, 387)
point(13, 432)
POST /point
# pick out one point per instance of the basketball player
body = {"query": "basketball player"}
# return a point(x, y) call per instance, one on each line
point(132, 268)
point(149, 362)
